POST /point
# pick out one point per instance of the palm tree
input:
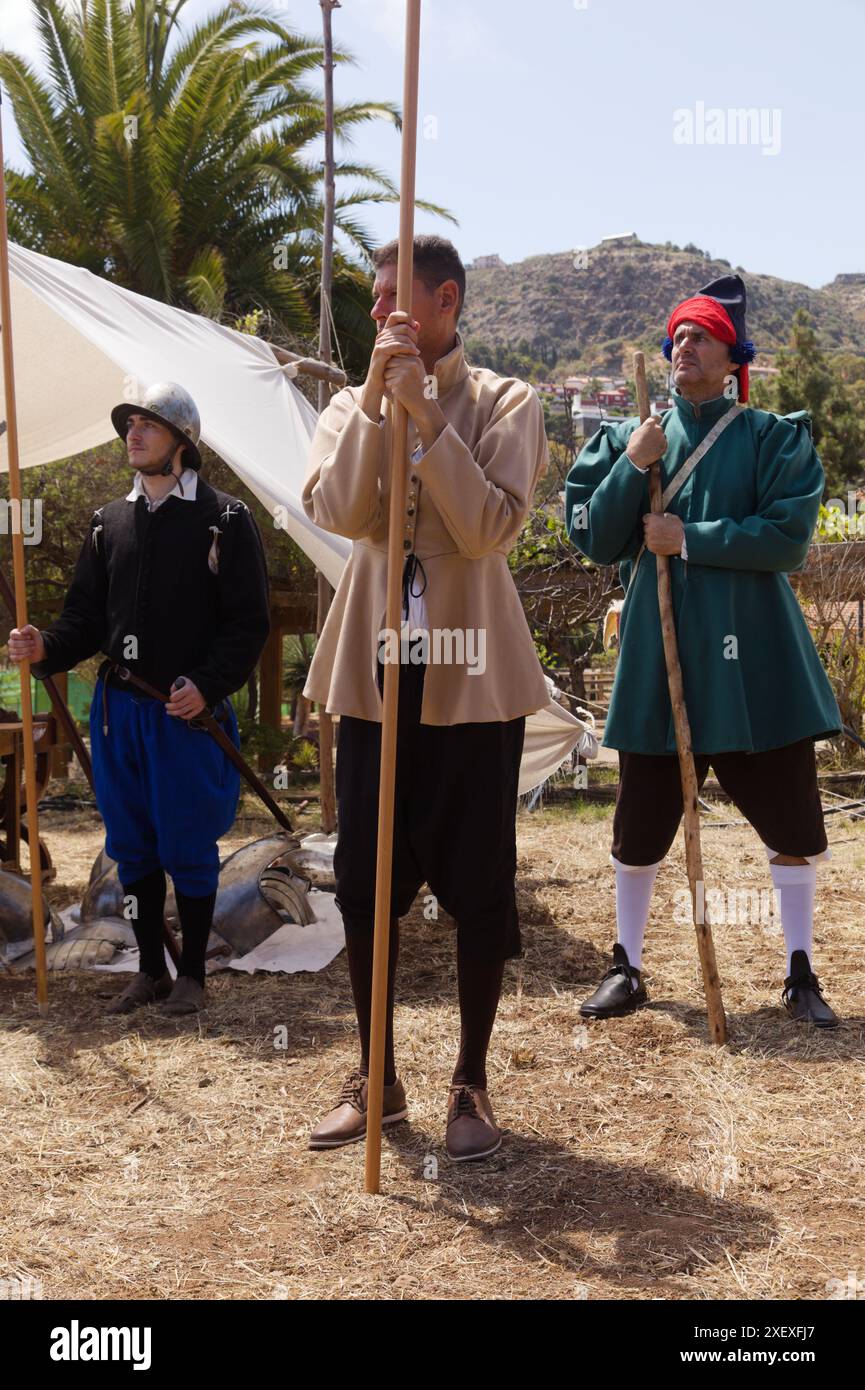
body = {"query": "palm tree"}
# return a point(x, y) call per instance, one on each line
point(176, 163)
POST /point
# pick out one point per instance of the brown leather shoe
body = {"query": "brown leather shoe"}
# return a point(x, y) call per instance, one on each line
point(346, 1123)
point(471, 1129)
point(143, 989)
point(187, 997)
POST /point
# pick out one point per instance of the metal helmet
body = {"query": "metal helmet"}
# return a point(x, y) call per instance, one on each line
point(171, 405)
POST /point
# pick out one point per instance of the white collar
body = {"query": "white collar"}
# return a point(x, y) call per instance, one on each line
point(189, 483)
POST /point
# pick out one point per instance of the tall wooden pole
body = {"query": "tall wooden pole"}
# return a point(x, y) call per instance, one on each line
point(325, 592)
point(324, 343)
point(690, 792)
point(399, 446)
point(21, 593)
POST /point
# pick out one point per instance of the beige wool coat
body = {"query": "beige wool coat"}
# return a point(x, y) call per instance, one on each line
point(467, 498)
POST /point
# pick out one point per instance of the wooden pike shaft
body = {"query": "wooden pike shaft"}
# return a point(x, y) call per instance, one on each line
point(21, 596)
point(399, 443)
point(690, 792)
point(327, 788)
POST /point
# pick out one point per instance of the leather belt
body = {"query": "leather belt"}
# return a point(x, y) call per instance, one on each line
point(122, 676)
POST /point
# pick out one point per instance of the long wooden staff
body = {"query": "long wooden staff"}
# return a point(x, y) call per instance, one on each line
point(21, 595)
point(387, 774)
point(693, 848)
point(327, 788)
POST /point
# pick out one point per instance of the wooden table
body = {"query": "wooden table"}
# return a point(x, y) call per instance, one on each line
point(13, 828)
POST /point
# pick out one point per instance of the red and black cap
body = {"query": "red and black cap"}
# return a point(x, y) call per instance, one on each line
point(719, 308)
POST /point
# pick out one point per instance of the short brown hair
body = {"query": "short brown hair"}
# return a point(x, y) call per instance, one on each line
point(435, 260)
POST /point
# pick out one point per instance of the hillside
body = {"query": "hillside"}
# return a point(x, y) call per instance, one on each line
point(595, 316)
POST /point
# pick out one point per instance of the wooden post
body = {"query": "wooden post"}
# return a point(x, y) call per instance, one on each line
point(693, 848)
point(270, 692)
point(399, 446)
point(12, 862)
point(308, 366)
point(21, 595)
point(60, 754)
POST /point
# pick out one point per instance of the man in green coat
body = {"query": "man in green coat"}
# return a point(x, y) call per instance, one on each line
point(756, 692)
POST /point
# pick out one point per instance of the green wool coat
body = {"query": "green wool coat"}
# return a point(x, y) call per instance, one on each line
point(753, 678)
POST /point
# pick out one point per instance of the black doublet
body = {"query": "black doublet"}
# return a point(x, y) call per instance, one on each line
point(145, 576)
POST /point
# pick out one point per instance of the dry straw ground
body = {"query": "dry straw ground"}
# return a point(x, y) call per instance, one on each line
point(148, 1158)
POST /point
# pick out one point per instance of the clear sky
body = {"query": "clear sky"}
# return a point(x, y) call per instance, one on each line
point(547, 125)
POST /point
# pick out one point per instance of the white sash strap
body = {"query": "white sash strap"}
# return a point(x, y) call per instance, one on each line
point(688, 467)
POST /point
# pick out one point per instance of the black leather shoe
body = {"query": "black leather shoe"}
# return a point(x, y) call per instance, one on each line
point(802, 998)
point(619, 992)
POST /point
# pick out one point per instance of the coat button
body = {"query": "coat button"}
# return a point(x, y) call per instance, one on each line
point(406, 545)
point(413, 478)
point(411, 511)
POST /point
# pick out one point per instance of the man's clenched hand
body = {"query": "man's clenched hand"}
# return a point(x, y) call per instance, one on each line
point(397, 339)
point(186, 699)
point(26, 644)
point(648, 443)
point(663, 533)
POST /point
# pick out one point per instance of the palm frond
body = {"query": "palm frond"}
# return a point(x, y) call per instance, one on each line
point(180, 161)
point(205, 283)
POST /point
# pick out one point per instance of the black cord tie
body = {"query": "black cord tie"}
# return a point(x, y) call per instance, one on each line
point(412, 564)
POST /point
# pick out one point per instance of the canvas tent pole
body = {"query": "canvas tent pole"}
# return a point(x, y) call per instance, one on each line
point(21, 594)
point(399, 446)
point(309, 366)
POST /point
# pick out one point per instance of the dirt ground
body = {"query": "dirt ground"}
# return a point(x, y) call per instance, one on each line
point(150, 1158)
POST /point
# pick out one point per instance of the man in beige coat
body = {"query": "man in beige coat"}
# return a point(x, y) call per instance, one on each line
point(469, 673)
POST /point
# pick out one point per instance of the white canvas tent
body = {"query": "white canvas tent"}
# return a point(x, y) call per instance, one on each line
point(82, 344)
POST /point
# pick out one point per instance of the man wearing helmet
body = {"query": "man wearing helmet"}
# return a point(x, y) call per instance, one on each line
point(171, 583)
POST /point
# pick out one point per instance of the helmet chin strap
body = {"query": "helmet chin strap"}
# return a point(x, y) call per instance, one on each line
point(164, 469)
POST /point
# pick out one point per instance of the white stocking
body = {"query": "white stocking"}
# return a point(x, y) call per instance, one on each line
point(634, 884)
point(795, 885)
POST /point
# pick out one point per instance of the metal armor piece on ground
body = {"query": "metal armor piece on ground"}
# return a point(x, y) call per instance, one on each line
point(16, 912)
point(317, 865)
point(104, 895)
point(101, 864)
point(261, 886)
point(96, 943)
